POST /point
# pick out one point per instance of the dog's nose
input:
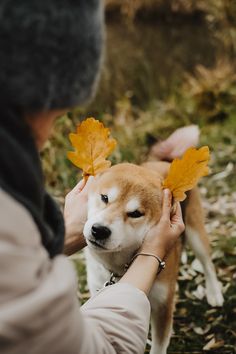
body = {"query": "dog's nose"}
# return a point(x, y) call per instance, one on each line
point(100, 232)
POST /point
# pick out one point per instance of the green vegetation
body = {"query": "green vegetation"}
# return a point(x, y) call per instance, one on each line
point(140, 101)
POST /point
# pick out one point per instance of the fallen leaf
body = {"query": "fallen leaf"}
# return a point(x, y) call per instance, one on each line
point(210, 336)
point(189, 295)
point(201, 331)
point(184, 257)
point(92, 146)
point(197, 266)
point(200, 292)
point(213, 344)
point(227, 171)
point(185, 173)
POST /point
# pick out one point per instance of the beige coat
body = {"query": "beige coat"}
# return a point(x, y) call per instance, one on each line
point(39, 311)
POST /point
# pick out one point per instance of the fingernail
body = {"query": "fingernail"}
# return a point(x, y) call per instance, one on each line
point(167, 192)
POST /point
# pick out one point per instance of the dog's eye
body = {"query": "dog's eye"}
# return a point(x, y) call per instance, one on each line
point(135, 214)
point(104, 198)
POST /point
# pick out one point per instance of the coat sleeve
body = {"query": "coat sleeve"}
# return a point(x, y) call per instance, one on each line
point(119, 314)
point(39, 310)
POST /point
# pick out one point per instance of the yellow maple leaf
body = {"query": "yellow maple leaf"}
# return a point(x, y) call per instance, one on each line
point(185, 173)
point(92, 146)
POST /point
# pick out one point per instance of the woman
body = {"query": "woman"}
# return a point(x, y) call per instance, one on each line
point(50, 54)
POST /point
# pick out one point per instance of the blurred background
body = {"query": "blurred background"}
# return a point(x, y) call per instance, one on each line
point(167, 64)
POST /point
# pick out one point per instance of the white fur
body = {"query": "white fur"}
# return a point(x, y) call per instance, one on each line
point(113, 194)
point(158, 299)
point(213, 287)
point(157, 347)
point(158, 293)
point(132, 205)
point(97, 275)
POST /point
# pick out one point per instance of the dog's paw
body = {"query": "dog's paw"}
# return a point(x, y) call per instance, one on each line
point(214, 294)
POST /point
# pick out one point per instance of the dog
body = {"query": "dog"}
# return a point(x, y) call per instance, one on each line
point(123, 204)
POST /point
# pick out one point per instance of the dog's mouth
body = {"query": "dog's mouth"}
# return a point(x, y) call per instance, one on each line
point(97, 244)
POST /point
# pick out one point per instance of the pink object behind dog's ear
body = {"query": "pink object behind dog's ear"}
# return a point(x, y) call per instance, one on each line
point(177, 143)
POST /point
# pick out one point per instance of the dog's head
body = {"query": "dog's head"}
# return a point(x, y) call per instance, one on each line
point(123, 204)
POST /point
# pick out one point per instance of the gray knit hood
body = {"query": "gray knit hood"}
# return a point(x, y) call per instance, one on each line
point(50, 52)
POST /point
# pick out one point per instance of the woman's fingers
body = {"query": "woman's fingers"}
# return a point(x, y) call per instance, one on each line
point(166, 206)
point(178, 211)
point(177, 219)
point(88, 184)
point(82, 185)
point(79, 186)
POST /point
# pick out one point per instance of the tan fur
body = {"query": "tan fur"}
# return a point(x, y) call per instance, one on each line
point(143, 183)
point(132, 181)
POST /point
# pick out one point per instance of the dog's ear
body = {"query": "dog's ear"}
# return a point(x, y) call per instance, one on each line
point(99, 175)
point(160, 167)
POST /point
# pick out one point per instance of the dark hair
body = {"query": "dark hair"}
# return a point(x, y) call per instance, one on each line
point(50, 52)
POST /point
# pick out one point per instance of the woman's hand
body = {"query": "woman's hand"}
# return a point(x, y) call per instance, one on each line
point(159, 240)
point(75, 215)
point(162, 237)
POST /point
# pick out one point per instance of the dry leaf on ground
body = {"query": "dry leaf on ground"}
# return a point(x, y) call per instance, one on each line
point(213, 344)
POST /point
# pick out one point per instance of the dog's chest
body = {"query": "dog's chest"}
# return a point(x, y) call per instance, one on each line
point(101, 266)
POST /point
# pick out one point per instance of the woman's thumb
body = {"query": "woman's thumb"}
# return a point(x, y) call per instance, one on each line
point(166, 206)
point(88, 184)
